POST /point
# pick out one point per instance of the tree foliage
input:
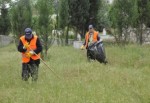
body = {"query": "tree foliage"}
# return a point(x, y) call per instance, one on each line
point(129, 13)
point(148, 10)
point(93, 12)
point(21, 17)
point(4, 17)
point(122, 16)
point(64, 18)
point(79, 12)
point(75, 14)
point(143, 17)
point(63, 14)
point(103, 15)
point(44, 23)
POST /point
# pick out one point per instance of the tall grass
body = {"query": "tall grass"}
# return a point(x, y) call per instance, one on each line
point(125, 79)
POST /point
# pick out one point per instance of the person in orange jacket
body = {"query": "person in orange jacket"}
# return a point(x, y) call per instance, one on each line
point(30, 47)
point(91, 37)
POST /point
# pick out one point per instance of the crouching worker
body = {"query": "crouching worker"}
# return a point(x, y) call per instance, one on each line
point(93, 44)
point(30, 47)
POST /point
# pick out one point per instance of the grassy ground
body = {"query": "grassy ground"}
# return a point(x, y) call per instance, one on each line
point(126, 78)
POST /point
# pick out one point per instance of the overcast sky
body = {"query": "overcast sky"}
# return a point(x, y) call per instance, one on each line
point(110, 1)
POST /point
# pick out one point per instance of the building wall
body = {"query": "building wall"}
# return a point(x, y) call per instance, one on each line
point(5, 40)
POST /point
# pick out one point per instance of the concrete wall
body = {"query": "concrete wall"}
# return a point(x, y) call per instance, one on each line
point(5, 40)
point(77, 44)
point(134, 38)
point(60, 41)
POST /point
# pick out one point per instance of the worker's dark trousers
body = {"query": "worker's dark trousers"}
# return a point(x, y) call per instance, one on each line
point(30, 70)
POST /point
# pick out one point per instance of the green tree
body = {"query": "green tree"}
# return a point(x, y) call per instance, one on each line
point(103, 15)
point(34, 23)
point(21, 17)
point(79, 12)
point(123, 14)
point(143, 17)
point(64, 19)
point(93, 11)
point(148, 13)
point(4, 17)
point(44, 23)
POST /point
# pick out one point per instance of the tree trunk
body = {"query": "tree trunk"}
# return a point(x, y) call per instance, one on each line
point(76, 31)
point(141, 33)
point(67, 34)
point(46, 44)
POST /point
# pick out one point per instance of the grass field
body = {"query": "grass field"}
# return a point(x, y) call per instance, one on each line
point(125, 79)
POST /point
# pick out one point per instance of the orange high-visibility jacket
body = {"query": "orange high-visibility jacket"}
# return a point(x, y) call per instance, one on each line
point(95, 35)
point(32, 46)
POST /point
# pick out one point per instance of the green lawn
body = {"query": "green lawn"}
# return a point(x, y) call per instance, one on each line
point(125, 79)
